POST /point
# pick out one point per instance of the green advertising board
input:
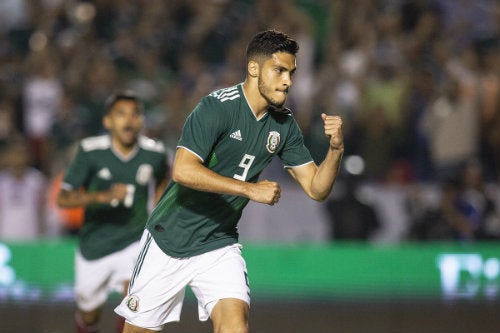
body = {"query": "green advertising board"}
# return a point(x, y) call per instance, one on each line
point(359, 270)
point(44, 270)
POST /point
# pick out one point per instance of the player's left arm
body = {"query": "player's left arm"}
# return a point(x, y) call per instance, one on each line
point(161, 184)
point(317, 181)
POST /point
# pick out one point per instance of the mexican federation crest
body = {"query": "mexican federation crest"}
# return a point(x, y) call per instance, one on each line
point(273, 141)
point(133, 303)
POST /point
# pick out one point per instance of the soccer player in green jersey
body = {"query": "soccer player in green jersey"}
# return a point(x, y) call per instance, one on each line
point(191, 237)
point(114, 176)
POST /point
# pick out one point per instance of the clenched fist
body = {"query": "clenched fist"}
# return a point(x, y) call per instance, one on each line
point(333, 130)
point(265, 191)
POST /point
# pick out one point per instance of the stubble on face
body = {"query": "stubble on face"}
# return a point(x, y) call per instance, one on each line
point(266, 92)
point(275, 78)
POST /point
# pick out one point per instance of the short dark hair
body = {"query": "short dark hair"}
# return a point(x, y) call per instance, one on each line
point(267, 42)
point(127, 95)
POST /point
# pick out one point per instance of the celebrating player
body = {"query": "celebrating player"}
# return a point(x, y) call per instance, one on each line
point(191, 237)
point(112, 176)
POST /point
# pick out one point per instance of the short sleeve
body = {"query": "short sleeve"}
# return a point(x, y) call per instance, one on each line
point(294, 152)
point(203, 128)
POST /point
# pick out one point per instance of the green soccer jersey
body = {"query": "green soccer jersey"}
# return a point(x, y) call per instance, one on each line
point(225, 134)
point(107, 229)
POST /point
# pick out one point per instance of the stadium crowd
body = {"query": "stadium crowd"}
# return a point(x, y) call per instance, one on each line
point(417, 83)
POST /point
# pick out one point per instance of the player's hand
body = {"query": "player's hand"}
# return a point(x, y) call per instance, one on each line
point(116, 194)
point(265, 191)
point(333, 130)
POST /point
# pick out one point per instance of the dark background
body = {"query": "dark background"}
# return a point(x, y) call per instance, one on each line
point(299, 317)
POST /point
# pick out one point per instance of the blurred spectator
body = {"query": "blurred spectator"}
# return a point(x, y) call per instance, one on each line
point(389, 198)
point(8, 130)
point(467, 209)
point(469, 20)
point(165, 119)
point(99, 80)
point(435, 223)
point(351, 218)
point(13, 14)
point(477, 203)
point(298, 23)
point(150, 79)
point(341, 78)
point(42, 93)
point(383, 120)
point(421, 94)
point(22, 196)
point(451, 124)
point(489, 94)
point(69, 126)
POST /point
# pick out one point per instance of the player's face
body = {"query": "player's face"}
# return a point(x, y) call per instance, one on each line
point(124, 122)
point(275, 77)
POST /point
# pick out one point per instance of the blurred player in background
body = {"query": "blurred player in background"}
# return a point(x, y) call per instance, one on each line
point(191, 237)
point(116, 177)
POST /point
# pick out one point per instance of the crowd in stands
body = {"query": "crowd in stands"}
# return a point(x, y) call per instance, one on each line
point(417, 83)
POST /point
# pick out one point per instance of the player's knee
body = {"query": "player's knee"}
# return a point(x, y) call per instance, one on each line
point(129, 328)
point(232, 328)
point(90, 317)
point(85, 323)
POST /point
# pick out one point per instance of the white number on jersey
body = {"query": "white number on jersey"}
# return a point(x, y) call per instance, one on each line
point(245, 163)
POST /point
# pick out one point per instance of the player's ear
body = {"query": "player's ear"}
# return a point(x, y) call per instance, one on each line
point(106, 122)
point(253, 68)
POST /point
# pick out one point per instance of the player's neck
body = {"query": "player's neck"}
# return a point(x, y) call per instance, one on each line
point(257, 104)
point(123, 150)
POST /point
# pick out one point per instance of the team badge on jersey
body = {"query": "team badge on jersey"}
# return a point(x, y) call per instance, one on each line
point(144, 174)
point(273, 141)
point(133, 303)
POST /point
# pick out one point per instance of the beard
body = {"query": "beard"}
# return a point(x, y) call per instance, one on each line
point(266, 91)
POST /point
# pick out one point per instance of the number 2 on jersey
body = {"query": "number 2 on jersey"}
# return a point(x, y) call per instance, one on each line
point(245, 163)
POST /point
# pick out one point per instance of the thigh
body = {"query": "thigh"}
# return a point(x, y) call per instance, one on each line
point(157, 286)
point(123, 263)
point(91, 277)
point(222, 275)
point(230, 315)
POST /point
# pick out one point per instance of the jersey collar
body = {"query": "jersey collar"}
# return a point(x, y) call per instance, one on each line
point(240, 86)
point(122, 157)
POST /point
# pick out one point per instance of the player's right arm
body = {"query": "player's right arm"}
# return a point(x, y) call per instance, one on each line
point(189, 171)
point(80, 197)
point(73, 193)
point(200, 134)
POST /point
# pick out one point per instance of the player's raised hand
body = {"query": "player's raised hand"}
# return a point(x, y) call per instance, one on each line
point(333, 130)
point(265, 191)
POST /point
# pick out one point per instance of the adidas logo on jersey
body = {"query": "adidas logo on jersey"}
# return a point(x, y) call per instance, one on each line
point(104, 174)
point(236, 135)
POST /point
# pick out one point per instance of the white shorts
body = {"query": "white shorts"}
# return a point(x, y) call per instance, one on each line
point(158, 283)
point(95, 279)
